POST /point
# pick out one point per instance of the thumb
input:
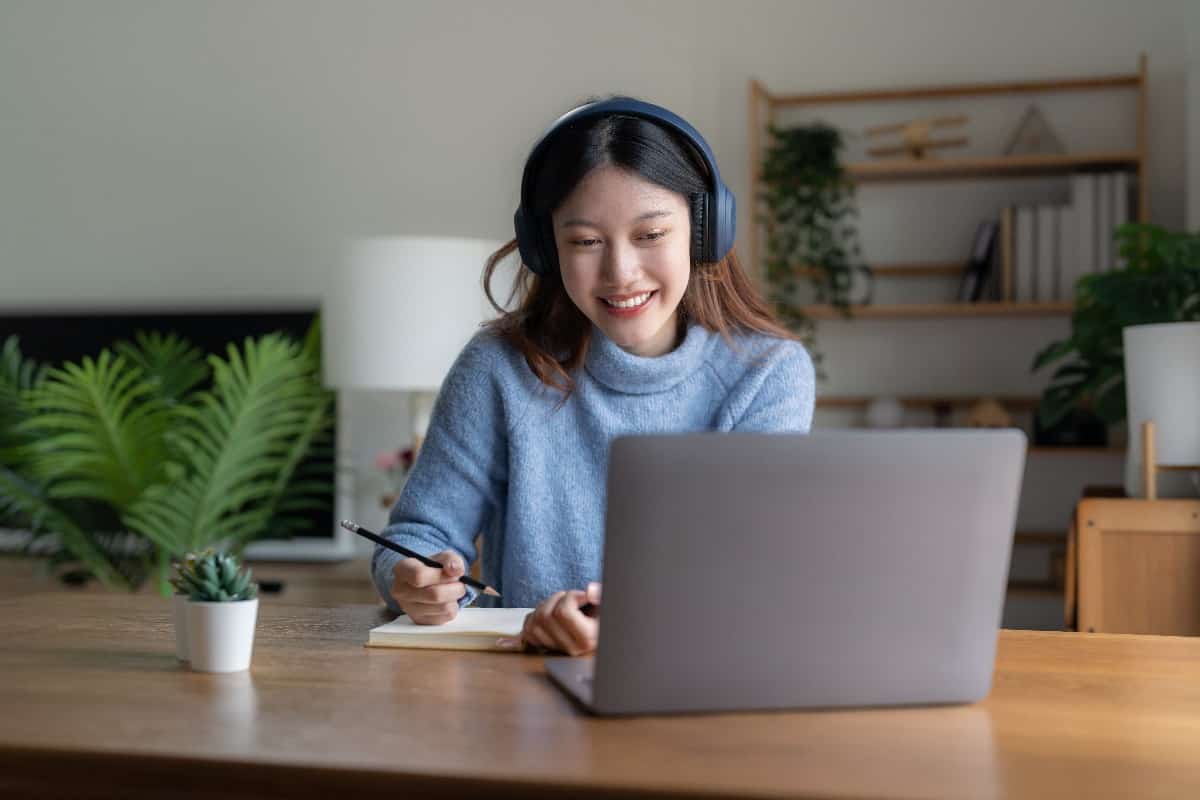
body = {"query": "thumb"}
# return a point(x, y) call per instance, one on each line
point(452, 564)
point(593, 592)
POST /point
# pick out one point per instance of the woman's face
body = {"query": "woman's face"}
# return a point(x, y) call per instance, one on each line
point(624, 248)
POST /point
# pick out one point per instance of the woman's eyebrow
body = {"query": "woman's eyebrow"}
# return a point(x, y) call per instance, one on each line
point(655, 214)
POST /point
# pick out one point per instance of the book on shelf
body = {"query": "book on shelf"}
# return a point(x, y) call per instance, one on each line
point(977, 273)
point(1046, 249)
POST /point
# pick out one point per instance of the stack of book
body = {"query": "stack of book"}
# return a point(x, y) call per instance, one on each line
point(1045, 249)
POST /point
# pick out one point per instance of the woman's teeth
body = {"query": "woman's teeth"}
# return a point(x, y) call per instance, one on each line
point(632, 302)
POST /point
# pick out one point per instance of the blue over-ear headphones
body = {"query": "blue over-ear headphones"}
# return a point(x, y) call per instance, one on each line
point(715, 218)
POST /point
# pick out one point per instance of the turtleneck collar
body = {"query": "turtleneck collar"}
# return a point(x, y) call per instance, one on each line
point(632, 374)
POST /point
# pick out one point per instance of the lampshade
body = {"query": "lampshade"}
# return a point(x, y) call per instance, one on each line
point(1162, 384)
point(397, 310)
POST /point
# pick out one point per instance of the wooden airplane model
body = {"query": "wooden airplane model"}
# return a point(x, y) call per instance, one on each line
point(916, 136)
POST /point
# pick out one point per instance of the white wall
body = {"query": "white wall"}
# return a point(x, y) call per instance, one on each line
point(221, 152)
point(1193, 116)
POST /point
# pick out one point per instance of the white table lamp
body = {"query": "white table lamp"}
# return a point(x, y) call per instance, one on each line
point(396, 314)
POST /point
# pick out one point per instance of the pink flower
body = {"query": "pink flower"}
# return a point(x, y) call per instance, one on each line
point(387, 460)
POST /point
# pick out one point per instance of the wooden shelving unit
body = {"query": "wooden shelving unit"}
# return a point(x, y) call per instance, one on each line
point(936, 169)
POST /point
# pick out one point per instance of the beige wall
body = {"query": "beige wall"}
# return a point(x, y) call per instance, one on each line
point(222, 151)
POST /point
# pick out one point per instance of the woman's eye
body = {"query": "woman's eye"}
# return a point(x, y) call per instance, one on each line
point(586, 242)
point(655, 235)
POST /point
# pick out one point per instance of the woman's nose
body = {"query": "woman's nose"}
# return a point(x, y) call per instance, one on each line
point(621, 265)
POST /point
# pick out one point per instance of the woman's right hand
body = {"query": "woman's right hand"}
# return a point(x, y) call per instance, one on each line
point(428, 595)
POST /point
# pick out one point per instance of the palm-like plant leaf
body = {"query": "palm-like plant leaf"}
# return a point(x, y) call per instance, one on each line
point(17, 376)
point(236, 447)
point(100, 430)
point(170, 364)
point(29, 500)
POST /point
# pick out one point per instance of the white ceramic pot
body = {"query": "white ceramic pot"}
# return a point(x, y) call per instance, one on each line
point(1162, 383)
point(221, 635)
point(179, 604)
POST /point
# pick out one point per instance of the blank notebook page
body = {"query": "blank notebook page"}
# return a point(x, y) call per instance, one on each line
point(472, 629)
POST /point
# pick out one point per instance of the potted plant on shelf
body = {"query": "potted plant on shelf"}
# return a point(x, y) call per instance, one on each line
point(221, 611)
point(152, 450)
point(1160, 284)
point(809, 218)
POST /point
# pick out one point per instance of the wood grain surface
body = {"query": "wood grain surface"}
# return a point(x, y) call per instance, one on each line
point(95, 705)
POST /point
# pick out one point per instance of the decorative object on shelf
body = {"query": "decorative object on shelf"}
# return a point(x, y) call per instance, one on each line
point(809, 212)
point(988, 413)
point(1033, 136)
point(915, 136)
point(1162, 387)
point(173, 450)
point(396, 465)
point(884, 412)
point(397, 312)
point(979, 266)
point(1161, 284)
point(222, 609)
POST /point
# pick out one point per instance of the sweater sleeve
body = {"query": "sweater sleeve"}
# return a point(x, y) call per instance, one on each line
point(778, 395)
point(460, 474)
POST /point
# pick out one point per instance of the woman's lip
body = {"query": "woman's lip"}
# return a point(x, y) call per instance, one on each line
point(629, 312)
point(620, 298)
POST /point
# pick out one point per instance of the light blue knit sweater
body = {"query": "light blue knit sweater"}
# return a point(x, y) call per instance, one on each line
point(501, 459)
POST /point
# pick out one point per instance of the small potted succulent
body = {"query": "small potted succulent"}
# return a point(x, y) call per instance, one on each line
point(185, 577)
point(222, 609)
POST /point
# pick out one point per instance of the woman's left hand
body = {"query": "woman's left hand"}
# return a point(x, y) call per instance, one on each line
point(558, 624)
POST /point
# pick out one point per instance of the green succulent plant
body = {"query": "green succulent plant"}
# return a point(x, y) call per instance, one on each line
point(215, 578)
point(151, 450)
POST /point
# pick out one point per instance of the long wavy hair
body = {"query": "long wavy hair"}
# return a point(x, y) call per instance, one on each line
point(545, 324)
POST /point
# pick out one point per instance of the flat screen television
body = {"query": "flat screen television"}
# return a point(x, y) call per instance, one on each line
point(55, 337)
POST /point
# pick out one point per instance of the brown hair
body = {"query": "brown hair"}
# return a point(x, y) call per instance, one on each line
point(546, 326)
point(553, 334)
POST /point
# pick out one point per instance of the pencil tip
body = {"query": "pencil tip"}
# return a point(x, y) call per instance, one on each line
point(491, 591)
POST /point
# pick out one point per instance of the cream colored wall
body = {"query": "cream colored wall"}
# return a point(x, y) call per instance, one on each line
point(221, 152)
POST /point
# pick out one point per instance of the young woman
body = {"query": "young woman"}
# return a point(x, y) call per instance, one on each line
point(634, 316)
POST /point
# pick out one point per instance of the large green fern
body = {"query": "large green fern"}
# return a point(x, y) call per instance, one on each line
point(127, 434)
point(235, 449)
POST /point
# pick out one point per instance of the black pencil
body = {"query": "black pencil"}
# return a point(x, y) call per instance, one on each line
point(404, 551)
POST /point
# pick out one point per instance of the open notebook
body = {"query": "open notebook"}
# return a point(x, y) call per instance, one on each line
point(472, 629)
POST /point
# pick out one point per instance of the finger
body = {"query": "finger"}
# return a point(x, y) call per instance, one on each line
point(561, 625)
point(411, 572)
point(440, 593)
point(578, 628)
point(453, 567)
point(594, 590)
point(416, 608)
point(422, 618)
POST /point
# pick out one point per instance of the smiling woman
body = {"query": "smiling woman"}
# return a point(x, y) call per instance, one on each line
point(631, 316)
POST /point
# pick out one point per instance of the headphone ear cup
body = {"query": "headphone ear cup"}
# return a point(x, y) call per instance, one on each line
point(527, 242)
point(698, 207)
point(723, 230)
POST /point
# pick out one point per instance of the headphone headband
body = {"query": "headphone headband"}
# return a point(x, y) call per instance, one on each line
point(715, 227)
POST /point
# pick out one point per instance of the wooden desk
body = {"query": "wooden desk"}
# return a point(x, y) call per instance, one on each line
point(93, 704)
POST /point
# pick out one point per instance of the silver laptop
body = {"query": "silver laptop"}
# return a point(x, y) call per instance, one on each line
point(769, 571)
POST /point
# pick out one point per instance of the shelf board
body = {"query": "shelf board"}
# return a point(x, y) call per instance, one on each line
point(915, 270)
point(990, 167)
point(935, 310)
point(1127, 81)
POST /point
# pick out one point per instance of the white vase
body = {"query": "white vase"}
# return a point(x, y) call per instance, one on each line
point(221, 635)
point(179, 604)
point(1162, 384)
